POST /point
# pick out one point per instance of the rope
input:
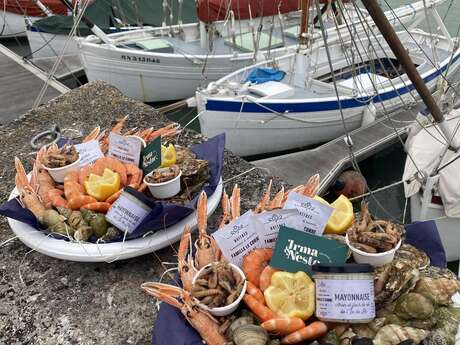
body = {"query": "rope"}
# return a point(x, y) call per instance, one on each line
point(377, 190)
point(59, 59)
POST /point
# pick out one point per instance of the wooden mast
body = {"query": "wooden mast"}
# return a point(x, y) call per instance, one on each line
point(304, 22)
point(401, 54)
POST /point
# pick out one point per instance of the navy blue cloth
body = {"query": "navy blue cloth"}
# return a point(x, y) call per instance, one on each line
point(261, 75)
point(425, 236)
point(163, 214)
point(172, 328)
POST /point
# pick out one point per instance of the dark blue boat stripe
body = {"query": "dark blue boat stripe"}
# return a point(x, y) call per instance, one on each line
point(250, 107)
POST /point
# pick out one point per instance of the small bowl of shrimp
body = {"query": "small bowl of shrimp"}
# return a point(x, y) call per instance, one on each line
point(219, 288)
point(59, 162)
point(164, 183)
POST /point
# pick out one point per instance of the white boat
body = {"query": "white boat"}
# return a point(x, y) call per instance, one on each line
point(15, 13)
point(48, 36)
point(302, 108)
point(168, 63)
point(434, 192)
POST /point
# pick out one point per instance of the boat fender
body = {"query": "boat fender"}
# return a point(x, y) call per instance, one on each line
point(369, 114)
point(350, 183)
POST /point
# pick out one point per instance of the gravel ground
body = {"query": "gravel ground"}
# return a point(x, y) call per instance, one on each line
point(48, 301)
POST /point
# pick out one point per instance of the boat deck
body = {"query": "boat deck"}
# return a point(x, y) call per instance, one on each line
point(330, 159)
point(21, 83)
point(69, 67)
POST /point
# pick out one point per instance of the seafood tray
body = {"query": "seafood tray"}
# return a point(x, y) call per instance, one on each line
point(105, 252)
point(89, 201)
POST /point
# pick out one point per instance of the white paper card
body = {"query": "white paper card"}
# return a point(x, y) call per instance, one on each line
point(237, 239)
point(267, 224)
point(125, 149)
point(127, 212)
point(89, 152)
point(314, 214)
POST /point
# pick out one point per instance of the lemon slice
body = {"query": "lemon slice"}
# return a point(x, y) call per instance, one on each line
point(101, 187)
point(291, 295)
point(342, 216)
point(168, 155)
point(320, 199)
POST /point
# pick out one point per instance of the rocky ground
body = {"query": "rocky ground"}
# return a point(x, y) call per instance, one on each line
point(49, 301)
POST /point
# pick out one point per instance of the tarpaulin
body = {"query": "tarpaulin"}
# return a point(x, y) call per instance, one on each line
point(261, 75)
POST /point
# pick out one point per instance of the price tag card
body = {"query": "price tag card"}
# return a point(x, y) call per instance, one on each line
point(267, 224)
point(297, 251)
point(151, 156)
point(127, 212)
point(125, 149)
point(237, 239)
point(89, 152)
point(314, 213)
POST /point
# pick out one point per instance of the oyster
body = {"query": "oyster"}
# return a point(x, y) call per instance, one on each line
point(414, 306)
point(437, 272)
point(369, 330)
point(183, 154)
point(394, 279)
point(440, 290)
point(416, 256)
point(395, 334)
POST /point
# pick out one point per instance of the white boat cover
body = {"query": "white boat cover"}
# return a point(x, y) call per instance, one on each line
point(425, 147)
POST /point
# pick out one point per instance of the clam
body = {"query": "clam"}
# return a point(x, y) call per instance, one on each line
point(250, 335)
point(414, 306)
point(241, 321)
point(395, 334)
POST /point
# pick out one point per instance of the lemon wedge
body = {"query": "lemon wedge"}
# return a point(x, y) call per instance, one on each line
point(168, 156)
point(342, 216)
point(101, 187)
point(320, 199)
point(291, 294)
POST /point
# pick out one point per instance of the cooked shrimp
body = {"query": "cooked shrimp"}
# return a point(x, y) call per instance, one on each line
point(283, 325)
point(235, 202)
point(72, 186)
point(266, 277)
point(98, 206)
point(255, 262)
point(78, 201)
point(134, 175)
point(226, 216)
point(277, 201)
point(312, 186)
point(313, 331)
point(104, 142)
point(93, 134)
point(254, 291)
point(265, 200)
point(207, 250)
point(56, 198)
point(261, 311)
point(27, 195)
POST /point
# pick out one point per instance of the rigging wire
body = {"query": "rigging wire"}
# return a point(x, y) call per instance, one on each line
point(350, 147)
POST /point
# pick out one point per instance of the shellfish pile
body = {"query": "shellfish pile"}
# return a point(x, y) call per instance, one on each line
point(218, 285)
point(59, 158)
point(373, 236)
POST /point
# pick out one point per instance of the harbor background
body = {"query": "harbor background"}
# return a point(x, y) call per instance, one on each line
point(377, 170)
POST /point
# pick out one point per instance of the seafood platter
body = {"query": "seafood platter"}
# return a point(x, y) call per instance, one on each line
point(114, 195)
point(380, 289)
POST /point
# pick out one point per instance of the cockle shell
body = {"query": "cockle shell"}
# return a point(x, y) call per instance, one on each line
point(414, 306)
point(241, 321)
point(250, 335)
point(395, 334)
point(439, 290)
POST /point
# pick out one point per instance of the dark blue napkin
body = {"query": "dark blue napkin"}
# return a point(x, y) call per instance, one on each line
point(425, 236)
point(171, 328)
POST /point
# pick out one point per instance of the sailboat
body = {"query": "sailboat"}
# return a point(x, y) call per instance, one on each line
point(15, 13)
point(48, 36)
point(171, 62)
point(298, 106)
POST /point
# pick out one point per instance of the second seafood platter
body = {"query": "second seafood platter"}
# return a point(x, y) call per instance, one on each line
point(299, 270)
point(115, 187)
